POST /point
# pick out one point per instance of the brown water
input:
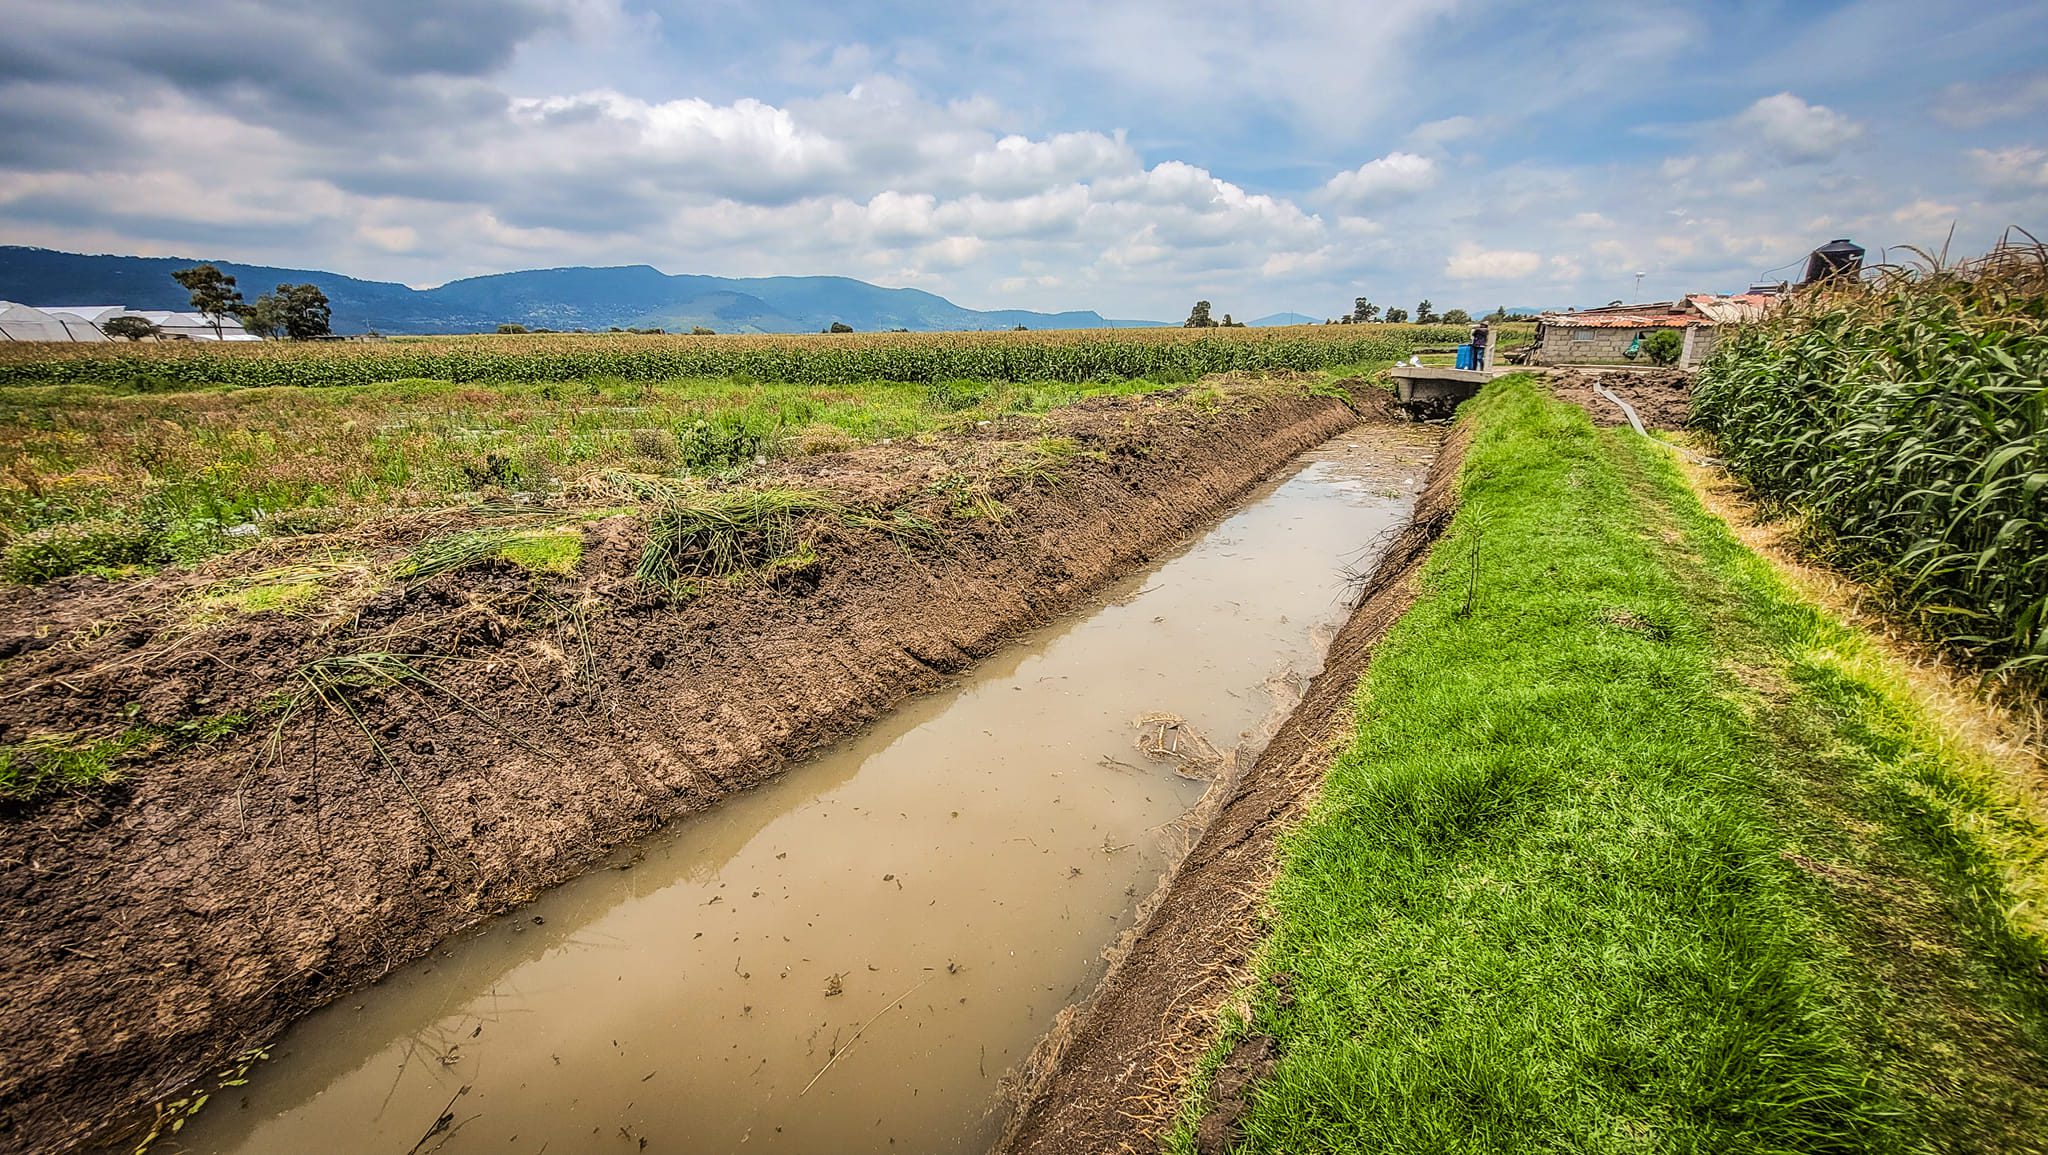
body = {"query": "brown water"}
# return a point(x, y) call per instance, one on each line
point(849, 958)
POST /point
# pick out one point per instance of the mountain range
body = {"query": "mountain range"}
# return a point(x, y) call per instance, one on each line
point(625, 296)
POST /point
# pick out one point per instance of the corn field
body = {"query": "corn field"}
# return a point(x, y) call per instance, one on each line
point(1904, 420)
point(839, 359)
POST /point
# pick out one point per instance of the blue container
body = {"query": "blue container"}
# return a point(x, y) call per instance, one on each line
point(1465, 358)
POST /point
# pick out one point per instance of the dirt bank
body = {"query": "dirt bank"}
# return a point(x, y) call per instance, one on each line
point(1109, 1078)
point(161, 926)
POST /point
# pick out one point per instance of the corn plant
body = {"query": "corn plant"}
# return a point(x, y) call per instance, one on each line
point(1904, 421)
point(916, 358)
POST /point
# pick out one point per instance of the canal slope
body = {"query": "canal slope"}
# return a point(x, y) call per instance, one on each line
point(852, 957)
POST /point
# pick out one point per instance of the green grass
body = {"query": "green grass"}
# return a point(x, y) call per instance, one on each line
point(56, 764)
point(1639, 855)
point(93, 480)
point(546, 551)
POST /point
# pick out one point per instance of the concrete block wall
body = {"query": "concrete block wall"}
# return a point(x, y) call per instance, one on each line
point(1589, 346)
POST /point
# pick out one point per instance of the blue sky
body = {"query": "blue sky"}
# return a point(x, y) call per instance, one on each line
point(1127, 158)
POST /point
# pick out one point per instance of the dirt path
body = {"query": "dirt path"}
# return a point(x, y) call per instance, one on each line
point(1109, 1078)
point(163, 927)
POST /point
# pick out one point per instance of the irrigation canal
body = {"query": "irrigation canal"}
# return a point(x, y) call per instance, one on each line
point(851, 957)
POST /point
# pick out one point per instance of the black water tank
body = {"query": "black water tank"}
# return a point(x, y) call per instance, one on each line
point(1838, 258)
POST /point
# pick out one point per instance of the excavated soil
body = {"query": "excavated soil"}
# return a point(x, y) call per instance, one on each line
point(165, 924)
point(1110, 1076)
point(1661, 397)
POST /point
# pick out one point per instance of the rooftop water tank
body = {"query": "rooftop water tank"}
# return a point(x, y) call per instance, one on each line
point(1838, 258)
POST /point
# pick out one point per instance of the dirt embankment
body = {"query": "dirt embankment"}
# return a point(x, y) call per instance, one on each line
point(1661, 397)
point(1109, 1077)
point(160, 927)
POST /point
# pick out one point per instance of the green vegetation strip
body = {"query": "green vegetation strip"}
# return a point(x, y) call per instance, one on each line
point(1634, 850)
point(1072, 356)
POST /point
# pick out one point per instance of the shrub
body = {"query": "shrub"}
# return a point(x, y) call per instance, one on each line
point(726, 441)
point(953, 396)
point(74, 547)
point(1664, 346)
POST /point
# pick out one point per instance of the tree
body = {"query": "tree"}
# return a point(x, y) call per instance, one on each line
point(510, 327)
point(1500, 313)
point(263, 317)
point(1198, 317)
point(1423, 316)
point(129, 328)
point(1363, 312)
point(1397, 316)
point(701, 331)
point(213, 292)
point(839, 327)
point(299, 312)
point(1457, 317)
point(306, 312)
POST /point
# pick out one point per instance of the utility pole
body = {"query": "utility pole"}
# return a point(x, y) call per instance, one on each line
point(1639, 287)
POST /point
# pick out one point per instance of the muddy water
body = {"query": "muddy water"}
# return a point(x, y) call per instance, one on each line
point(850, 958)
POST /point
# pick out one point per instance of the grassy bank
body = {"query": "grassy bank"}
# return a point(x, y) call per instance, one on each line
point(91, 478)
point(1633, 850)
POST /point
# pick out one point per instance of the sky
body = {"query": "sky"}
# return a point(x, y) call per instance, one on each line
point(1128, 157)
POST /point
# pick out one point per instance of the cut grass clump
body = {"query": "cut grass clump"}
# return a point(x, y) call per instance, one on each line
point(452, 551)
point(289, 589)
point(553, 551)
point(39, 768)
point(749, 535)
point(1577, 884)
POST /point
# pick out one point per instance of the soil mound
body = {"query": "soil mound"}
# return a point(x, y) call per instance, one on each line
point(1661, 397)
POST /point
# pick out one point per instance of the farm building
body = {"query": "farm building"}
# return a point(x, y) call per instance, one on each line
point(22, 323)
point(1594, 336)
point(82, 323)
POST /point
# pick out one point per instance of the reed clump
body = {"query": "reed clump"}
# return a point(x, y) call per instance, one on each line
point(1903, 421)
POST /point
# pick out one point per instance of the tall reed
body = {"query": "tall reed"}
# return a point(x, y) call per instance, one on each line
point(1904, 419)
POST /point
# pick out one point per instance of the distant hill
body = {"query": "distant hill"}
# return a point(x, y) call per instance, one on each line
point(1273, 319)
point(627, 296)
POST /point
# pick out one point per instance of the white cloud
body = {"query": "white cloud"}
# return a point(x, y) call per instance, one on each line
point(1019, 164)
point(1967, 105)
point(2016, 167)
point(1472, 263)
point(1441, 132)
point(1926, 215)
point(1797, 131)
point(1394, 177)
